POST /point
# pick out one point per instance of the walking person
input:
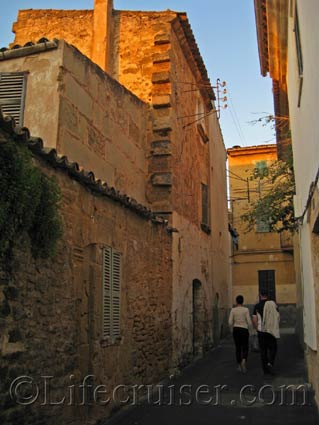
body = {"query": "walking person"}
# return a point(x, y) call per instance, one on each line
point(266, 321)
point(239, 320)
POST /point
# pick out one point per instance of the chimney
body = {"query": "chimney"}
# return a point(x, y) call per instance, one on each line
point(102, 28)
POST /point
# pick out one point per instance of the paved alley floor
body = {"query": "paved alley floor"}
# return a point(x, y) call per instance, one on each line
point(213, 392)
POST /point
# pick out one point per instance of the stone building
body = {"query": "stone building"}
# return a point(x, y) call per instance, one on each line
point(101, 308)
point(261, 259)
point(288, 50)
point(175, 159)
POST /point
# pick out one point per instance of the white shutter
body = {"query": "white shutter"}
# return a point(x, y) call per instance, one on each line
point(116, 294)
point(107, 286)
point(12, 94)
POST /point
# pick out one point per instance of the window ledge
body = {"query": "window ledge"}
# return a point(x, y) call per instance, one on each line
point(107, 342)
point(205, 228)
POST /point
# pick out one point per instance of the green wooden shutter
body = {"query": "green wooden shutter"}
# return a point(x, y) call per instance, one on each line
point(116, 294)
point(12, 94)
point(107, 288)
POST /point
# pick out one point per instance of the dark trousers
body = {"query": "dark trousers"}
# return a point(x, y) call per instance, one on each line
point(268, 349)
point(241, 338)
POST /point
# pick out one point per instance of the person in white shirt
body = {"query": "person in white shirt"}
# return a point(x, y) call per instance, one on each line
point(266, 321)
point(239, 320)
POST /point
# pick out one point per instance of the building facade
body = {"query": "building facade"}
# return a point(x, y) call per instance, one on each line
point(126, 95)
point(288, 49)
point(99, 312)
point(262, 260)
point(181, 170)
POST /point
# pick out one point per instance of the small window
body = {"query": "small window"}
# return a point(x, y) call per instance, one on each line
point(202, 133)
point(205, 208)
point(262, 226)
point(111, 293)
point(12, 95)
point(262, 168)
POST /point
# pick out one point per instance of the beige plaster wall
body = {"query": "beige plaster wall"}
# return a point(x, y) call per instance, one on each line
point(257, 250)
point(42, 92)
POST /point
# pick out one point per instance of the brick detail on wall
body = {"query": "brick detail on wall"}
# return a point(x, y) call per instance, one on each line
point(161, 147)
point(162, 179)
point(162, 38)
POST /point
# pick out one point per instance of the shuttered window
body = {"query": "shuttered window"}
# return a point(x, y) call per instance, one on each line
point(205, 205)
point(12, 94)
point(112, 265)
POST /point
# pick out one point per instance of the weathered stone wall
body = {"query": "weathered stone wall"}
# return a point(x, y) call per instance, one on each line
point(151, 57)
point(219, 221)
point(102, 125)
point(191, 154)
point(134, 35)
point(38, 332)
point(51, 309)
point(180, 160)
point(141, 62)
point(73, 26)
point(197, 160)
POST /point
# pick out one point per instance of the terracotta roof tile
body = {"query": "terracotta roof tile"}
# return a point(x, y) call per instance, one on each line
point(28, 48)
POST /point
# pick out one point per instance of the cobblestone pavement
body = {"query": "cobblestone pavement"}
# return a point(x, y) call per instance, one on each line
point(213, 392)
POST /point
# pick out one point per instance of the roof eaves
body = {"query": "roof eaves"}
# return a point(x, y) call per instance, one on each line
point(262, 35)
point(28, 49)
point(204, 82)
point(249, 150)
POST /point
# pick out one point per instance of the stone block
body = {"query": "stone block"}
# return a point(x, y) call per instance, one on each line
point(161, 147)
point(15, 335)
point(162, 124)
point(4, 309)
point(161, 101)
point(11, 292)
point(160, 77)
point(162, 38)
point(161, 57)
point(161, 179)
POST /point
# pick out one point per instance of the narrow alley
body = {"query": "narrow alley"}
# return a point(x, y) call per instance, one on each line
point(158, 168)
point(226, 396)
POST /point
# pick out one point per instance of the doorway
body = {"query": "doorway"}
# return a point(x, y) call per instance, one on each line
point(197, 317)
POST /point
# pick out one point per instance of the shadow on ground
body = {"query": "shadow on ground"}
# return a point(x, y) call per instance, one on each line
point(212, 391)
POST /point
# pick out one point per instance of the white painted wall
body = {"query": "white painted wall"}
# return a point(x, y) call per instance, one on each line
point(305, 138)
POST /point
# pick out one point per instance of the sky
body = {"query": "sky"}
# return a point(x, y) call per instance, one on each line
point(225, 32)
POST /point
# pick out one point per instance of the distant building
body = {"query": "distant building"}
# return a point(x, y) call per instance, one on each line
point(262, 260)
point(288, 50)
